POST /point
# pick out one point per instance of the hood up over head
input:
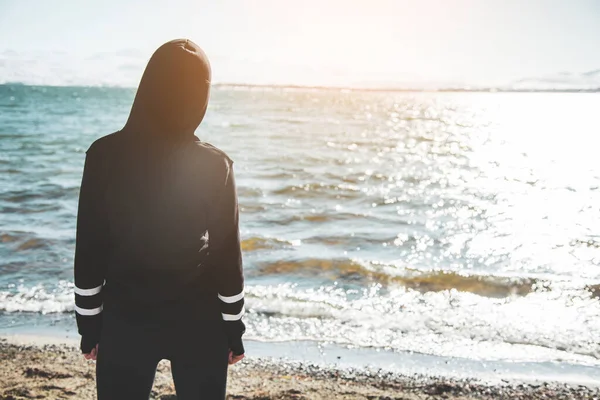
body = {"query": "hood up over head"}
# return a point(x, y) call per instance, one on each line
point(173, 94)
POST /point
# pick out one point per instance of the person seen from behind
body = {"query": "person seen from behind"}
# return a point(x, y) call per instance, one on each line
point(158, 264)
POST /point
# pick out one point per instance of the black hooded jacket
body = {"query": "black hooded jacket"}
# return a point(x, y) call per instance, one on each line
point(157, 227)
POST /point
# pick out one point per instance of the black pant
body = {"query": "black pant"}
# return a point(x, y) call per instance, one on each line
point(130, 350)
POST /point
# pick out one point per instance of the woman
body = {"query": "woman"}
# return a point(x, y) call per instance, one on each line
point(158, 266)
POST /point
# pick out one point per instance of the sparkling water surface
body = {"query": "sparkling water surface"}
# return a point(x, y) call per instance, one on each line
point(451, 224)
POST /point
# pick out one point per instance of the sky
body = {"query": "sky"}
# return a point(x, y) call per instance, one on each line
point(325, 42)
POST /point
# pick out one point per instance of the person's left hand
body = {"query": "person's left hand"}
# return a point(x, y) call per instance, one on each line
point(233, 359)
point(92, 355)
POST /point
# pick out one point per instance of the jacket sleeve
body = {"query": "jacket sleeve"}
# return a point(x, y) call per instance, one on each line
point(90, 253)
point(226, 258)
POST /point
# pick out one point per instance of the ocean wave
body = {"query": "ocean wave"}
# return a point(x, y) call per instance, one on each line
point(441, 323)
point(44, 193)
point(251, 208)
point(348, 270)
point(321, 217)
point(245, 191)
point(30, 209)
point(446, 323)
point(265, 243)
point(350, 241)
point(38, 299)
point(313, 190)
point(23, 241)
point(278, 175)
point(363, 239)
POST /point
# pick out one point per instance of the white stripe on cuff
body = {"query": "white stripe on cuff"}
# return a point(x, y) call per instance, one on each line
point(231, 317)
point(231, 299)
point(88, 292)
point(85, 311)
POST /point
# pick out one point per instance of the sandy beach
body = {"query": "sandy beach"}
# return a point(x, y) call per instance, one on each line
point(43, 369)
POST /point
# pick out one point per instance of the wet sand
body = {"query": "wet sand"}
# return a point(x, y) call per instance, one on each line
point(34, 370)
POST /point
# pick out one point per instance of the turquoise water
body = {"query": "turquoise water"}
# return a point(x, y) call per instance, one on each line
point(447, 224)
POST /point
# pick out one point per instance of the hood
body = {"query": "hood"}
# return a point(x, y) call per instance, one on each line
point(172, 97)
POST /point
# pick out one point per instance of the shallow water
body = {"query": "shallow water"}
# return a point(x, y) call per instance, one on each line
point(451, 224)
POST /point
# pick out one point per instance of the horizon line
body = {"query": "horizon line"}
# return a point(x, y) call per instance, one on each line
point(456, 89)
point(467, 88)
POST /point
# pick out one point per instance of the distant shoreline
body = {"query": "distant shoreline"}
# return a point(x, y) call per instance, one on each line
point(234, 85)
point(400, 89)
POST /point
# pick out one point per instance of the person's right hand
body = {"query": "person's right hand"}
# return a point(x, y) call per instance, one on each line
point(233, 359)
point(92, 355)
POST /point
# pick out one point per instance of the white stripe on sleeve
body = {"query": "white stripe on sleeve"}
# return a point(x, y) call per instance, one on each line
point(231, 299)
point(230, 317)
point(85, 311)
point(88, 292)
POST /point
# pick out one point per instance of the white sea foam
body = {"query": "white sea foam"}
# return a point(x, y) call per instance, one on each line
point(38, 298)
point(541, 326)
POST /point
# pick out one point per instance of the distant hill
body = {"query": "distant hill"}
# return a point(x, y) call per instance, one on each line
point(561, 81)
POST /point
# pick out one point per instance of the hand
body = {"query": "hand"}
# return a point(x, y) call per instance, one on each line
point(233, 359)
point(92, 355)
